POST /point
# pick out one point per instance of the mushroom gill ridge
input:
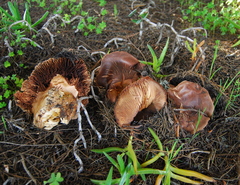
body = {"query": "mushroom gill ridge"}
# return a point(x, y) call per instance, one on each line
point(52, 89)
point(144, 93)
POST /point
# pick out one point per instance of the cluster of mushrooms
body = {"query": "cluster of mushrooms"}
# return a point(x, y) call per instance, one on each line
point(52, 90)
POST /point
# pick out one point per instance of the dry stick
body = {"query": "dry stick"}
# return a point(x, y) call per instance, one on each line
point(27, 171)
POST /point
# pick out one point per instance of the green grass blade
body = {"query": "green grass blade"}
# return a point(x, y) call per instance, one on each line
point(156, 138)
point(236, 44)
point(113, 161)
point(150, 161)
point(147, 63)
point(162, 56)
point(125, 174)
point(14, 10)
point(154, 57)
point(109, 177)
point(184, 179)
point(177, 151)
point(121, 163)
point(232, 22)
point(8, 15)
point(189, 47)
point(41, 19)
point(109, 149)
point(26, 15)
point(114, 181)
point(131, 154)
point(191, 173)
point(146, 171)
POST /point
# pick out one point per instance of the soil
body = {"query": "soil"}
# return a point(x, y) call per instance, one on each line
point(30, 154)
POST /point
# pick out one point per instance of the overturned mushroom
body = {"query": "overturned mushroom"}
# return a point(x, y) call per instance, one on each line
point(144, 93)
point(118, 69)
point(192, 104)
point(51, 91)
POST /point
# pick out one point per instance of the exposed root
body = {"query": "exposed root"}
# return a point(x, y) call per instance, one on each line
point(115, 41)
point(57, 16)
point(81, 136)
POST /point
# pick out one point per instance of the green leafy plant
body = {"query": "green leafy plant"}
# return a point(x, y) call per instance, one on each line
point(8, 86)
point(141, 16)
point(157, 61)
point(55, 179)
point(133, 167)
point(171, 171)
point(213, 15)
point(15, 21)
point(126, 171)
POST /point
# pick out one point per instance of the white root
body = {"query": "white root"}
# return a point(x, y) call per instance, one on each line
point(81, 136)
point(115, 41)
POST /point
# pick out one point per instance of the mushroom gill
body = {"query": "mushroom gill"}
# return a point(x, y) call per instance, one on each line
point(52, 89)
point(144, 93)
point(192, 104)
point(117, 70)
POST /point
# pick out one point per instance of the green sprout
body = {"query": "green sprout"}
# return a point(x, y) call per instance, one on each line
point(54, 180)
point(157, 62)
point(15, 21)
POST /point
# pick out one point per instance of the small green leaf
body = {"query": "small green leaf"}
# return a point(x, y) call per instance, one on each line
point(7, 64)
point(20, 52)
point(109, 177)
point(11, 54)
point(7, 93)
point(104, 12)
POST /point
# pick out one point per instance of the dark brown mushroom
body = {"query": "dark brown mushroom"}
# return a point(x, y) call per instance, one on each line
point(192, 104)
point(117, 70)
point(144, 93)
point(52, 89)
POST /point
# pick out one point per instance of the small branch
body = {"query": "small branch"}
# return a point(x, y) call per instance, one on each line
point(27, 171)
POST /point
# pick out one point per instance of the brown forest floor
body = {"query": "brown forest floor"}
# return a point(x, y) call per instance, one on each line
point(213, 151)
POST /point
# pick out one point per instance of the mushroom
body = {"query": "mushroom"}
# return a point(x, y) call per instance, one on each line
point(192, 104)
point(144, 93)
point(117, 70)
point(52, 89)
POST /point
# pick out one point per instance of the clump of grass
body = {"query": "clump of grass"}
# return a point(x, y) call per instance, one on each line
point(130, 166)
point(157, 61)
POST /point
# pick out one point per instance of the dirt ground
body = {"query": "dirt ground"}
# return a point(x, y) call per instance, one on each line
point(214, 151)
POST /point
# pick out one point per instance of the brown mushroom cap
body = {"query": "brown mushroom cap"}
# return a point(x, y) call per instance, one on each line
point(194, 103)
point(117, 70)
point(141, 94)
point(53, 87)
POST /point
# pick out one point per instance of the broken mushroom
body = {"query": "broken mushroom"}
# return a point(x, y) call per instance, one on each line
point(192, 104)
point(52, 89)
point(118, 69)
point(144, 93)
